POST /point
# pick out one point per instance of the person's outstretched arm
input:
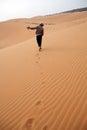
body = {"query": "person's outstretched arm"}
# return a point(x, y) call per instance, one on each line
point(32, 28)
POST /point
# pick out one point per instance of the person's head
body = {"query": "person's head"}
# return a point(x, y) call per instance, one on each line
point(41, 24)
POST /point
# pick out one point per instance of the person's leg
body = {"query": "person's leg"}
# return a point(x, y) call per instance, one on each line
point(39, 41)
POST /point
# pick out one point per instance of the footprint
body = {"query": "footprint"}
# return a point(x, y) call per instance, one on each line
point(45, 127)
point(38, 103)
point(36, 61)
point(28, 124)
point(39, 107)
point(37, 54)
point(38, 57)
point(43, 82)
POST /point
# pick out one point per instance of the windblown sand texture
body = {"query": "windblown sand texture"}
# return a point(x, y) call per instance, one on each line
point(44, 90)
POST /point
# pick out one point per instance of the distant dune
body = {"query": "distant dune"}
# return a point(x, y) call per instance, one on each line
point(44, 90)
point(77, 10)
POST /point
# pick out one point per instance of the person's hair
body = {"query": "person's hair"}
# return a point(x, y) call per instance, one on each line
point(41, 24)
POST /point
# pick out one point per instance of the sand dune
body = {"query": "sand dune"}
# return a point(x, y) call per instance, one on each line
point(44, 90)
point(13, 32)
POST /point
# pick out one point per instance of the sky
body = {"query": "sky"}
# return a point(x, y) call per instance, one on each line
point(11, 9)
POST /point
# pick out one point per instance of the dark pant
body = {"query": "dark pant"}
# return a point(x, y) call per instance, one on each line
point(39, 40)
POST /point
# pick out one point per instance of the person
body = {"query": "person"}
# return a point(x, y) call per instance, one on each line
point(39, 34)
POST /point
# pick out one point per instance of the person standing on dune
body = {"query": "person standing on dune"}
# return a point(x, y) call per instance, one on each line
point(39, 34)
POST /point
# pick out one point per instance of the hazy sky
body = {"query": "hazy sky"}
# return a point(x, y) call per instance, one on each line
point(10, 9)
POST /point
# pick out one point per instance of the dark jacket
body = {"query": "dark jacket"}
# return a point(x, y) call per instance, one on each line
point(39, 30)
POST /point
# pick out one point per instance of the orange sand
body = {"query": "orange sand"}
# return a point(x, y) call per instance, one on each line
point(44, 90)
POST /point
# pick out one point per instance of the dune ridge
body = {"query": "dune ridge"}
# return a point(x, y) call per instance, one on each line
point(46, 90)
